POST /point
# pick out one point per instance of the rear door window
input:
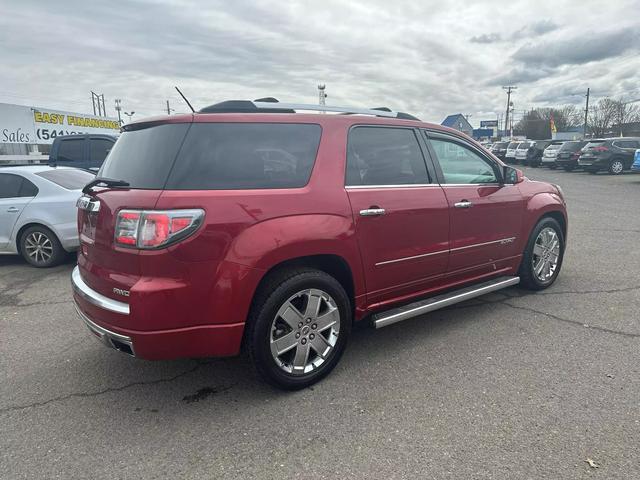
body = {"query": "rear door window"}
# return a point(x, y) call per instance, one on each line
point(99, 148)
point(10, 185)
point(227, 156)
point(384, 156)
point(71, 150)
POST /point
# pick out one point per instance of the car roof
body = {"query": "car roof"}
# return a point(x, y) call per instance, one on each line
point(87, 135)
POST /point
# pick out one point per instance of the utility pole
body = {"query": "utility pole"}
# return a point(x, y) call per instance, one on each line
point(509, 89)
point(169, 110)
point(118, 109)
point(586, 115)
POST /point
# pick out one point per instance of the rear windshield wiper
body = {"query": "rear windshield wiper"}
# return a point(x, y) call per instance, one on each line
point(107, 182)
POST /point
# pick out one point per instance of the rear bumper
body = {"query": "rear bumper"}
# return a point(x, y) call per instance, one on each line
point(218, 340)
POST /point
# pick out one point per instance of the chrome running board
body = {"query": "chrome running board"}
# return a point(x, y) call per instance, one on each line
point(388, 317)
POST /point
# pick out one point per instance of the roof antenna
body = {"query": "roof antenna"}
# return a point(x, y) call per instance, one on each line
point(185, 99)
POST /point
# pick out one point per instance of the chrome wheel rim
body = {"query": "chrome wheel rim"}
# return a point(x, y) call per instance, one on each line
point(305, 331)
point(546, 254)
point(38, 247)
point(617, 167)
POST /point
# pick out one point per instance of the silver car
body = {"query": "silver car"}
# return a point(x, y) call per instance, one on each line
point(551, 153)
point(38, 211)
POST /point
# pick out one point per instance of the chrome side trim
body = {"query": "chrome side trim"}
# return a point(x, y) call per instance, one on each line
point(386, 262)
point(411, 185)
point(94, 297)
point(435, 303)
point(503, 241)
point(106, 336)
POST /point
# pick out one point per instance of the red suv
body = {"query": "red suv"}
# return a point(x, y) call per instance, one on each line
point(250, 225)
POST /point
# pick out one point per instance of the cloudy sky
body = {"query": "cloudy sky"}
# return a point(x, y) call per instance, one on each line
point(430, 58)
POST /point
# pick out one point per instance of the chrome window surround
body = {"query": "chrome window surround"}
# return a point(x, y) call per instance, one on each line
point(97, 299)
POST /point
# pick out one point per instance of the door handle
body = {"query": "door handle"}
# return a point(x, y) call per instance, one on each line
point(12, 210)
point(463, 204)
point(372, 212)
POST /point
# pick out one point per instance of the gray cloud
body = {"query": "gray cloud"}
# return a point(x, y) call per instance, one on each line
point(406, 56)
point(579, 49)
point(486, 38)
point(535, 29)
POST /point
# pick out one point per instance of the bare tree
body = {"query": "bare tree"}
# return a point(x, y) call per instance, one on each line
point(602, 116)
point(624, 113)
point(536, 123)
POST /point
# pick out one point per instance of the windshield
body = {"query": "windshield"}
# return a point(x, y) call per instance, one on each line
point(554, 146)
point(512, 145)
point(500, 145)
point(524, 146)
point(571, 146)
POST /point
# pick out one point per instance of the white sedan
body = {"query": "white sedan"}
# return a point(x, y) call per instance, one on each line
point(38, 211)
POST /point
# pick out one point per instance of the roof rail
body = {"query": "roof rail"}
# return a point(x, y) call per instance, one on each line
point(271, 105)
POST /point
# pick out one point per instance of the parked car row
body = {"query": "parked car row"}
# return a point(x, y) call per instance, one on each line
point(614, 155)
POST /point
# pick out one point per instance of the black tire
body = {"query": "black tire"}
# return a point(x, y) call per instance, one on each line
point(50, 252)
point(275, 292)
point(528, 277)
point(569, 168)
point(592, 171)
point(616, 166)
point(552, 167)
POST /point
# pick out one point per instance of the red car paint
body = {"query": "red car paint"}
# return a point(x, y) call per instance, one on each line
point(192, 298)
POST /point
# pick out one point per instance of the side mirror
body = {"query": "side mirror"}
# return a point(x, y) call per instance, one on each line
point(512, 176)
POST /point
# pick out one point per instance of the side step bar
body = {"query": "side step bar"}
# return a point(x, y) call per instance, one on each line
point(388, 317)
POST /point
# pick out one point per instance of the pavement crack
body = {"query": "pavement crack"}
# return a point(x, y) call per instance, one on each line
point(102, 392)
point(566, 320)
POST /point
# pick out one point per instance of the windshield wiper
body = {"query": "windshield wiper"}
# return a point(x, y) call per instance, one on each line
point(107, 182)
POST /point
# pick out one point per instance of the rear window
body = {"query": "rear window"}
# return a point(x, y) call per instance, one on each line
point(500, 145)
point(512, 145)
point(523, 146)
point(594, 144)
point(70, 179)
point(227, 156)
point(554, 146)
point(71, 150)
point(143, 158)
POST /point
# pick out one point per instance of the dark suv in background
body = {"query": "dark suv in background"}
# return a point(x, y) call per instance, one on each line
point(499, 149)
point(569, 154)
point(612, 154)
point(86, 151)
point(534, 154)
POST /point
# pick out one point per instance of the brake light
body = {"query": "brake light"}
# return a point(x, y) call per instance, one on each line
point(600, 149)
point(148, 229)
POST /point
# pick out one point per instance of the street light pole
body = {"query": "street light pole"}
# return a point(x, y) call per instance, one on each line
point(118, 108)
point(129, 114)
point(586, 115)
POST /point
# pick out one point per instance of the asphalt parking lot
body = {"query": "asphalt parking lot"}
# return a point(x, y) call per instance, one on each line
point(512, 385)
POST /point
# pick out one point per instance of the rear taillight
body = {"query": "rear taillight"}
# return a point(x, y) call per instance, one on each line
point(149, 229)
point(600, 149)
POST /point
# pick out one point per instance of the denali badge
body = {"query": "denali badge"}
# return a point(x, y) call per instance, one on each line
point(119, 291)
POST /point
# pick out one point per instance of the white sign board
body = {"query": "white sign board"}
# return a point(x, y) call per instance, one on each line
point(34, 125)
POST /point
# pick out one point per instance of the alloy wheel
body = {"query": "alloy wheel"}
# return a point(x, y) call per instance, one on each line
point(616, 167)
point(304, 331)
point(546, 254)
point(39, 247)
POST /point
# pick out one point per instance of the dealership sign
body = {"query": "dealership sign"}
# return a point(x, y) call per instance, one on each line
point(34, 125)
